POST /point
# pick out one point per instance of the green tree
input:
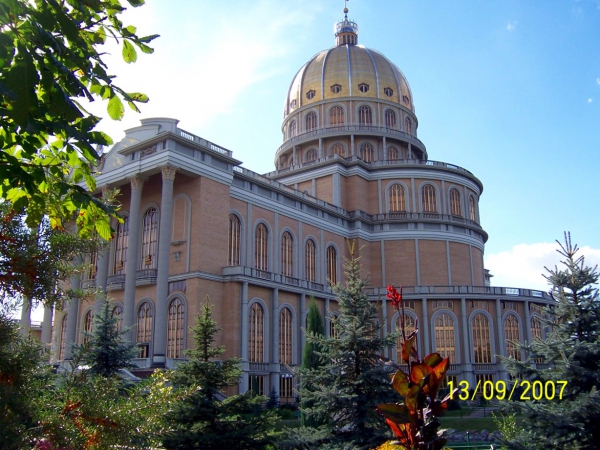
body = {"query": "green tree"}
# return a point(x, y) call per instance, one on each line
point(51, 56)
point(572, 352)
point(106, 351)
point(204, 418)
point(310, 356)
point(346, 390)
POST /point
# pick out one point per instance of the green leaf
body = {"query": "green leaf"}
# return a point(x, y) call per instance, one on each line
point(138, 97)
point(129, 53)
point(103, 229)
point(400, 383)
point(115, 108)
point(397, 413)
point(21, 79)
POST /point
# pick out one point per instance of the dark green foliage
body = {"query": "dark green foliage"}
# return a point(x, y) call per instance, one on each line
point(51, 56)
point(106, 351)
point(22, 377)
point(572, 351)
point(204, 418)
point(346, 389)
point(273, 401)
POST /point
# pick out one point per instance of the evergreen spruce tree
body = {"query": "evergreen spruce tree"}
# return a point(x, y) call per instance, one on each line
point(310, 357)
point(572, 352)
point(204, 418)
point(345, 391)
point(106, 351)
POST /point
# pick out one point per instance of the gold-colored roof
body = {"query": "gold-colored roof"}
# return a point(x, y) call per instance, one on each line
point(349, 67)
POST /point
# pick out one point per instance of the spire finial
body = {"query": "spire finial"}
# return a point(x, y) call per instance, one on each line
point(346, 9)
point(346, 31)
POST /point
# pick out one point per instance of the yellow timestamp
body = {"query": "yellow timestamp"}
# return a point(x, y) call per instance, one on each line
point(536, 390)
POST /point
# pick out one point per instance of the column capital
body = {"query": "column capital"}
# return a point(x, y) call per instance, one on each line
point(168, 172)
point(137, 182)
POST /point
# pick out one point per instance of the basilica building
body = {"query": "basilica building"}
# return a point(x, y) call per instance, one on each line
point(351, 167)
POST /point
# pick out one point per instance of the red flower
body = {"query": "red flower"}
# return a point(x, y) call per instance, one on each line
point(395, 296)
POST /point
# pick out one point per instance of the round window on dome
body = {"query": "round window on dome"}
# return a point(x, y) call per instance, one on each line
point(363, 87)
point(310, 94)
point(388, 91)
point(336, 88)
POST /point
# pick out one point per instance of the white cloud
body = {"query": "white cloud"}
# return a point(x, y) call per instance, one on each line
point(590, 100)
point(523, 265)
point(510, 26)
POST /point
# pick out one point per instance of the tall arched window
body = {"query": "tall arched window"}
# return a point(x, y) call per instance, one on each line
point(235, 236)
point(149, 239)
point(511, 333)
point(390, 118)
point(366, 152)
point(455, 208)
point(482, 347)
point(256, 338)
point(175, 328)
point(287, 255)
point(444, 337)
point(472, 214)
point(121, 244)
point(293, 128)
point(536, 333)
point(397, 198)
point(338, 149)
point(261, 247)
point(88, 327)
point(336, 116)
point(311, 120)
point(429, 201)
point(285, 336)
point(365, 115)
point(409, 327)
point(392, 154)
point(332, 265)
point(63, 338)
point(117, 312)
point(408, 125)
point(311, 155)
point(144, 329)
point(310, 261)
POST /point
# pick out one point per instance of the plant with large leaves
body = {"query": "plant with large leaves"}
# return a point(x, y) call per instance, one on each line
point(50, 57)
point(415, 421)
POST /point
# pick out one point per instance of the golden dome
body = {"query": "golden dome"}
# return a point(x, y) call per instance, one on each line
point(348, 71)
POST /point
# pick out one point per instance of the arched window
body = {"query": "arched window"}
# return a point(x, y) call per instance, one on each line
point(310, 261)
point(397, 198)
point(429, 201)
point(336, 116)
point(366, 152)
point(455, 208)
point(261, 247)
point(444, 337)
point(311, 120)
point(409, 327)
point(117, 312)
point(338, 149)
point(511, 333)
point(390, 118)
point(365, 115)
point(144, 329)
point(293, 129)
point(472, 214)
point(482, 347)
point(121, 244)
point(235, 236)
point(90, 274)
point(285, 336)
point(392, 154)
point(175, 328)
point(63, 338)
point(88, 327)
point(256, 338)
point(408, 125)
point(149, 239)
point(287, 255)
point(536, 333)
point(332, 265)
point(311, 155)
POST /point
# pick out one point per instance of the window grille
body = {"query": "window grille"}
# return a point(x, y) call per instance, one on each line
point(261, 247)
point(482, 347)
point(390, 118)
point(175, 328)
point(256, 345)
point(444, 337)
point(429, 200)
point(234, 246)
point(397, 198)
point(287, 255)
point(310, 256)
point(332, 265)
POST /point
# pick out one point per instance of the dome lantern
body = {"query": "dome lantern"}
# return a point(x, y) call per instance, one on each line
point(346, 31)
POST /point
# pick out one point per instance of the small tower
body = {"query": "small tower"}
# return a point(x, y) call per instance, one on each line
point(346, 31)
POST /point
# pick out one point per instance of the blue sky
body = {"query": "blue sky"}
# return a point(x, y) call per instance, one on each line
point(508, 90)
